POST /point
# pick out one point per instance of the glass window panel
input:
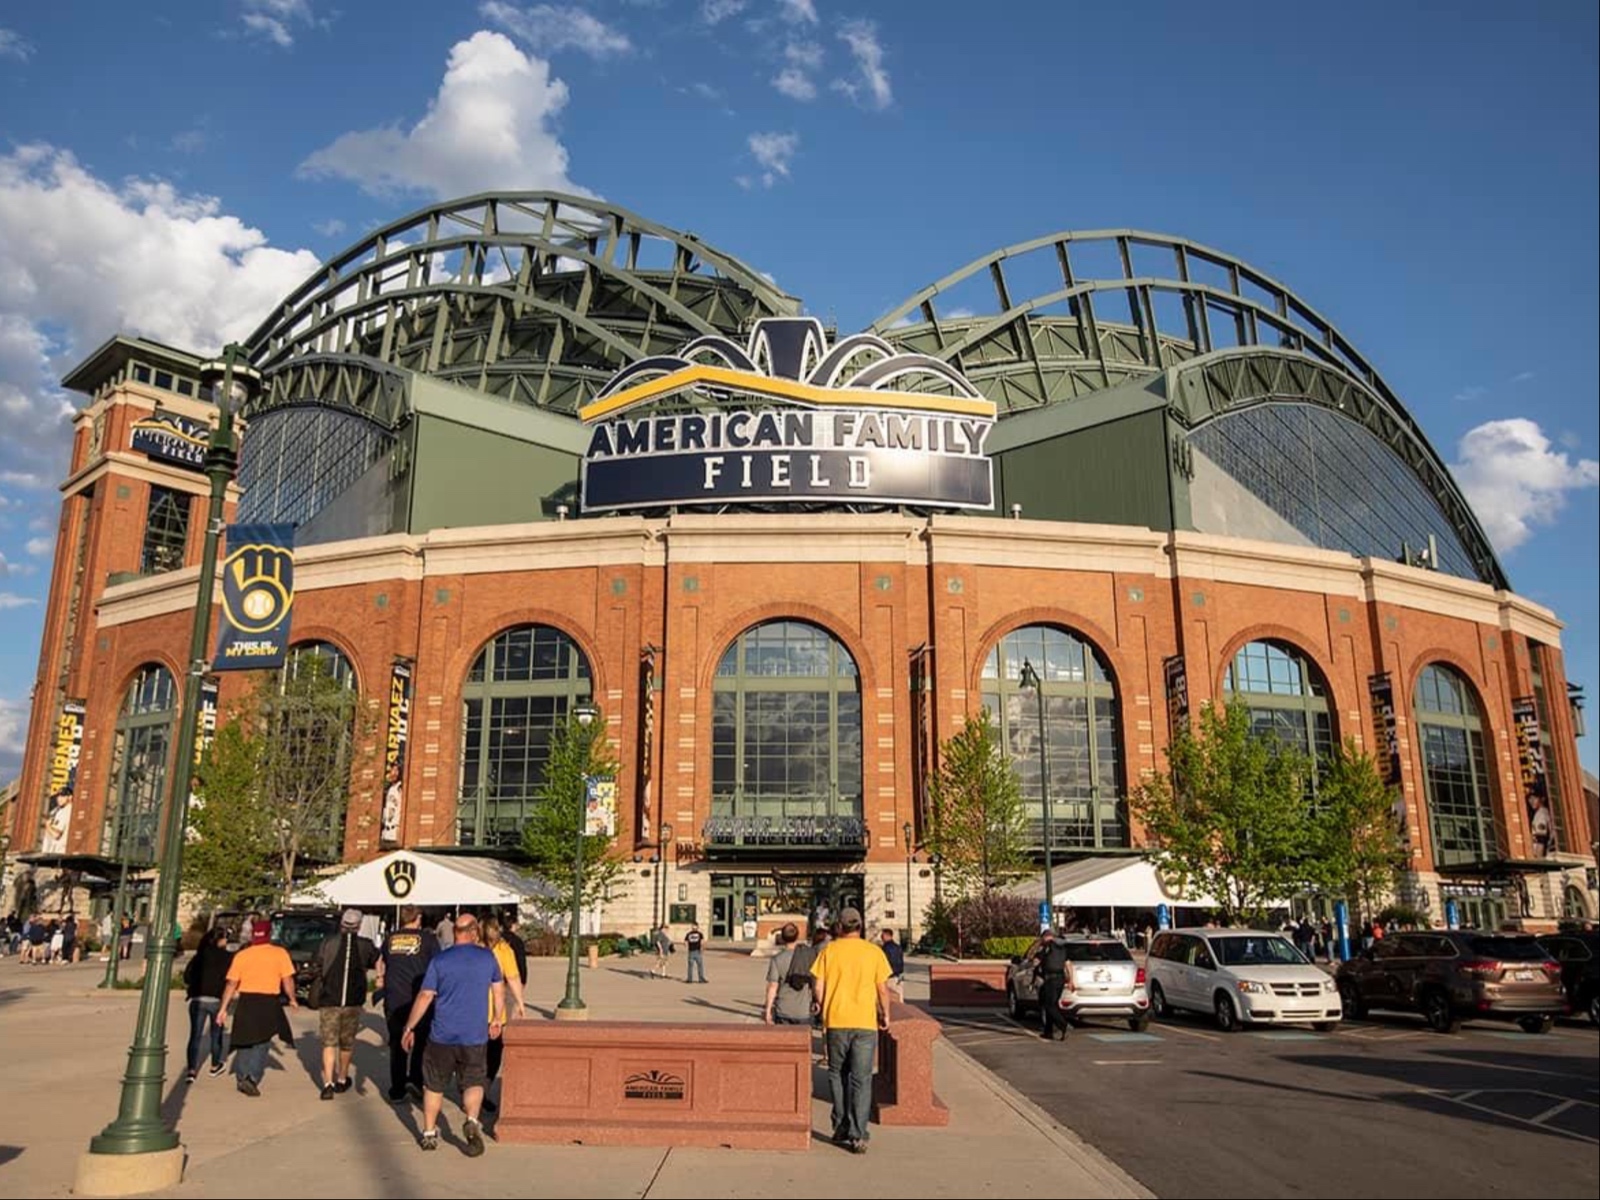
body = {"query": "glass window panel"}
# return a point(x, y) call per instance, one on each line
point(296, 461)
point(166, 531)
point(141, 746)
point(1460, 802)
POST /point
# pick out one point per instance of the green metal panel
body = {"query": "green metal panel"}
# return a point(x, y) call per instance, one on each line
point(463, 476)
point(1114, 473)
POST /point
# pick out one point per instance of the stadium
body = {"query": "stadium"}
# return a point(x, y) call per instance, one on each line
point(541, 451)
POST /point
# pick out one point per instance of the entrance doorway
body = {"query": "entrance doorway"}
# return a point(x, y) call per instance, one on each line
point(740, 902)
point(721, 909)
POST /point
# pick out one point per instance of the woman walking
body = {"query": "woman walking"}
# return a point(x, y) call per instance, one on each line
point(494, 937)
point(204, 978)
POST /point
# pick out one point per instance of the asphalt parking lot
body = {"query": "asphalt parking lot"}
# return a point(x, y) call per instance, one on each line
point(1376, 1108)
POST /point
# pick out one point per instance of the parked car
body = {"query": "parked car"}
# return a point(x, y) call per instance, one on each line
point(300, 931)
point(1448, 975)
point(1102, 981)
point(1579, 956)
point(1240, 977)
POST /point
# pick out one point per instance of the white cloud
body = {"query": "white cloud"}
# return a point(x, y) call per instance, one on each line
point(13, 732)
point(27, 479)
point(1469, 394)
point(1515, 480)
point(39, 547)
point(190, 141)
point(799, 12)
point(550, 28)
point(872, 88)
point(714, 12)
point(1522, 377)
point(14, 45)
point(332, 227)
point(488, 127)
point(774, 152)
point(273, 19)
point(795, 84)
point(12, 600)
point(82, 259)
point(704, 90)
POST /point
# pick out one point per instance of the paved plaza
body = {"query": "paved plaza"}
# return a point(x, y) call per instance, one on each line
point(66, 1045)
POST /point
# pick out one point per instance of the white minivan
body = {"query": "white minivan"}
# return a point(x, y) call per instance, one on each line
point(1239, 976)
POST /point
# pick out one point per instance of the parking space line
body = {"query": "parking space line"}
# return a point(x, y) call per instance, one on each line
point(1124, 1037)
point(1126, 1062)
point(1554, 1111)
point(1210, 1037)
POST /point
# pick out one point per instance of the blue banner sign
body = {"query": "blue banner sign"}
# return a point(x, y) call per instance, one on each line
point(257, 597)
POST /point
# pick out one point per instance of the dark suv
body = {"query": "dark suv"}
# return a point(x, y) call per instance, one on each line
point(1449, 975)
point(1579, 956)
point(301, 931)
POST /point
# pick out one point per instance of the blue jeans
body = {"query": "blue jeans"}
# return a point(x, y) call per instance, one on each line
point(251, 1062)
point(850, 1056)
point(697, 963)
point(203, 1012)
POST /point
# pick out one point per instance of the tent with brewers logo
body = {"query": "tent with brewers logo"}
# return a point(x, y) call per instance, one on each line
point(427, 880)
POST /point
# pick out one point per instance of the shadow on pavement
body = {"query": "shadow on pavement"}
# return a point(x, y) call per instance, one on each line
point(7, 1153)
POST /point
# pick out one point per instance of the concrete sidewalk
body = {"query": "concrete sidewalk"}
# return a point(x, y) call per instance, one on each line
point(66, 1042)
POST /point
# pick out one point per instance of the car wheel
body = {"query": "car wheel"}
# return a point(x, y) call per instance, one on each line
point(1436, 1011)
point(1013, 1005)
point(1350, 997)
point(1539, 1024)
point(1140, 1023)
point(1594, 1008)
point(1158, 1002)
point(1227, 1015)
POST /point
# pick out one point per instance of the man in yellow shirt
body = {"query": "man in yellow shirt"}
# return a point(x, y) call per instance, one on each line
point(852, 994)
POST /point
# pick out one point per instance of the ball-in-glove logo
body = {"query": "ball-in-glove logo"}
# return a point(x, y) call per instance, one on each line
point(258, 586)
point(400, 876)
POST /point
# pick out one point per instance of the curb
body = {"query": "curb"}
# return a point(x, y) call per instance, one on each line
point(1065, 1140)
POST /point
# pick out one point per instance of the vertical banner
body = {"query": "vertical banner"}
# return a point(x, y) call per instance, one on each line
point(600, 806)
point(1531, 765)
point(647, 742)
point(257, 597)
point(1381, 690)
point(205, 732)
point(1177, 679)
point(394, 754)
point(62, 782)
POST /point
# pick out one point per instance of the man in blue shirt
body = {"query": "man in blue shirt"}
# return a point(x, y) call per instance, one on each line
point(460, 986)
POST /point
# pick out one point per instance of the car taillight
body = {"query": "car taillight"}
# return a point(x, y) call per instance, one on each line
point(1138, 977)
point(1552, 969)
point(1483, 968)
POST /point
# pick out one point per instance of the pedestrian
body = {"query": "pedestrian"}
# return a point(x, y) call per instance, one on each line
point(69, 938)
point(694, 943)
point(519, 948)
point(255, 978)
point(404, 960)
point(499, 1014)
point(58, 939)
point(1050, 964)
point(789, 984)
point(852, 990)
point(821, 935)
point(444, 930)
point(663, 945)
point(344, 958)
point(897, 961)
point(453, 989)
point(125, 937)
point(204, 979)
point(38, 941)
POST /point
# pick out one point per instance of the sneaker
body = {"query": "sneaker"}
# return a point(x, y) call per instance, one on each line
point(189, 1076)
point(397, 1097)
point(217, 1070)
point(473, 1132)
point(248, 1087)
point(327, 1091)
point(858, 1147)
point(343, 1085)
point(428, 1139)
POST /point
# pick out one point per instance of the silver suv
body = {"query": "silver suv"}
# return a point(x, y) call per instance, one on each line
point(1102, 980)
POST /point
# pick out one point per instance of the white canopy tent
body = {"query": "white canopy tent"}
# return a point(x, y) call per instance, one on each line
point(427, 880)
point(1109, 883)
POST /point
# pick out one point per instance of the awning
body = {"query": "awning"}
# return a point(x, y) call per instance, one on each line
point(412, 877)
point(1106, 883)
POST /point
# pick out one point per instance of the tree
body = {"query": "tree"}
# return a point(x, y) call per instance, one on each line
point(1233, 821)
point(979, 831)
point(1359, 849)
point(550, 838)
point(229, 861)
point(276, 780)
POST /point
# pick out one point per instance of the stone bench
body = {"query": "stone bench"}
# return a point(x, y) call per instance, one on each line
point(638, 1083)
point(973, 983)
point(902, 1090)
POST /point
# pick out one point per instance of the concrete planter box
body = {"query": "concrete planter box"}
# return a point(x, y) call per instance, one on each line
point(970, 983)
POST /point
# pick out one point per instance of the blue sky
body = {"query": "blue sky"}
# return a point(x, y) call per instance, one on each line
point(1424, 175)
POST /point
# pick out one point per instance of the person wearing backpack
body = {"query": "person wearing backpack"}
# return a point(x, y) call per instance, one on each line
point(789, 981)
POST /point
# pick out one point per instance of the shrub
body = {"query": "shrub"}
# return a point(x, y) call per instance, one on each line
point(1403, 916)
point(966, 925)
point(1006, 947)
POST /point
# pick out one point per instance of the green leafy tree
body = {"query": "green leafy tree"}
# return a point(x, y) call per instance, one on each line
point(1359, 849)
point(230, 861)
point(979, 828)
point(550, 838)
point(1234, 820)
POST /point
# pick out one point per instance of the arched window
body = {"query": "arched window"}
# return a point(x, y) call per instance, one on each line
point(327, 657)
point(1286, 695)
point(1082, 743)
point(1574, 904)
point(139, 760)
point(1455, 768)
point(322, 719)
point(520, 688)
point(786, 739)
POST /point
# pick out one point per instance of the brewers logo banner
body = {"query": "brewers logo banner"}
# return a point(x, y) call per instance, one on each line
point(257, 597)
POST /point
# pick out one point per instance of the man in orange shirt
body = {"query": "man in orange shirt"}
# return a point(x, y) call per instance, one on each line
point(258, 973)
point(852, 994)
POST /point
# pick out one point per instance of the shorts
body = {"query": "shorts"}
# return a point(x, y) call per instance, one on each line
point(339, 1026)
point(441, 1060)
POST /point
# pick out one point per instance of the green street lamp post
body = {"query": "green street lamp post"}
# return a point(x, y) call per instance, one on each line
point(139, 1128)
point(572, 1006)
point(911, 929)
point(661, 870)
point(1030, 679)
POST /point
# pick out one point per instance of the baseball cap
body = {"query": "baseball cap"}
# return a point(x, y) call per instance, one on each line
point(850, 917)
point(260, 933)
point(351, 919)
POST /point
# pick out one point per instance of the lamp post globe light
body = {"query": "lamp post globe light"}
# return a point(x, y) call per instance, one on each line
point(572, 1007)
point(139, 1151)
point(911, 931)
point(1030, 679)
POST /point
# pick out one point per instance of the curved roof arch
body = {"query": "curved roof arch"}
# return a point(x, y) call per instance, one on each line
point(1225, 335)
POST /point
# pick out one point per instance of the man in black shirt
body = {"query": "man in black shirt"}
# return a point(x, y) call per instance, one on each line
point(509, 935)
point(344, 958)
point(694, 942)
point(1050, 958)
point(407, 951)
point(897, 960)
